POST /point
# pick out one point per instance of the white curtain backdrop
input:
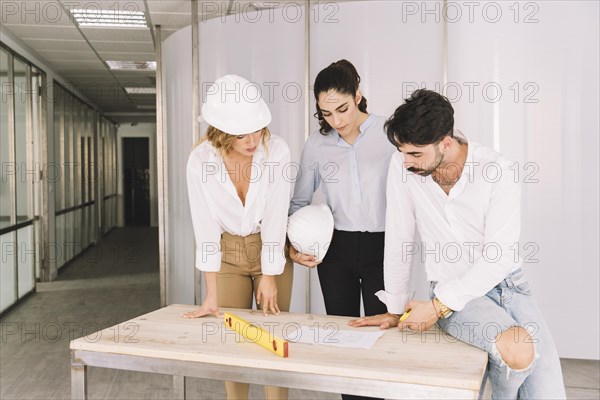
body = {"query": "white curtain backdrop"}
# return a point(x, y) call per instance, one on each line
point(534, 79)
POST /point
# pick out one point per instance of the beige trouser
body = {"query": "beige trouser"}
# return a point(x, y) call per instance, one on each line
point(238, 281)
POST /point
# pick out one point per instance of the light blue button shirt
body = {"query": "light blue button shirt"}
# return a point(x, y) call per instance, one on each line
point(353, 176)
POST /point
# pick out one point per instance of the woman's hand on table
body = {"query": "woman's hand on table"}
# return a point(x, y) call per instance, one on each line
point(208, 307)
point(266, 295)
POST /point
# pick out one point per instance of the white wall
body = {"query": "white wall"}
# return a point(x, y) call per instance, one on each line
point(140, 130)
point(545, 118)
point(177, 91)
point(389, 54)
point(398, 46)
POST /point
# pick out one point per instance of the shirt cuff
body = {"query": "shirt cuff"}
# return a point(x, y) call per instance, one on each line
point(272, 260)
point(208, 262)
point(395, 302)
point(452, 294)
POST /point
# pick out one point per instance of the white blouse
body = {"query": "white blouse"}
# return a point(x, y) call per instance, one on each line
point(216, 207)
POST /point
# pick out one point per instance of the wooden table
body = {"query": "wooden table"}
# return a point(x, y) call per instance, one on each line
point(400, 365)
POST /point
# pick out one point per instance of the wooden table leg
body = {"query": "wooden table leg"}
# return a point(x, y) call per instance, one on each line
point(179, 387)
point(78, 381)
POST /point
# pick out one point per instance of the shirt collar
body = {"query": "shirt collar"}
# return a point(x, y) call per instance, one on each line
point(362, 129)
point(469, 160)
point(366, 124)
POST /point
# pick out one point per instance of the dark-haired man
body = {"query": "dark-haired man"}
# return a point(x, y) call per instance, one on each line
point(465, 202)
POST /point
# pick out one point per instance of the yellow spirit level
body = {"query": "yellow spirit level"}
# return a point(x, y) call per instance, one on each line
point(256, 334)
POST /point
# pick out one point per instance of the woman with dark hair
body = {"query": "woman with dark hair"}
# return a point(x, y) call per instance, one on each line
point(349, 158)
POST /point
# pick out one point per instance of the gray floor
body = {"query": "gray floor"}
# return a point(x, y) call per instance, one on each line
point(111, 283)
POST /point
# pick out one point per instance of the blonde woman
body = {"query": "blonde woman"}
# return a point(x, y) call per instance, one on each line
point(239, 199)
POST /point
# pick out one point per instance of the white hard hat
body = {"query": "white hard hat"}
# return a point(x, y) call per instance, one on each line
point(310, 230)
point(235, 106)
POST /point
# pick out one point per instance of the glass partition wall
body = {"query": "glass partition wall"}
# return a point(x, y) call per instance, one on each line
point(20, 126)
point(80, 173)
point(87, 163)
point(108, 174)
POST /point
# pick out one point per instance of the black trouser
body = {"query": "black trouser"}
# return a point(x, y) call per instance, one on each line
point(353, 265)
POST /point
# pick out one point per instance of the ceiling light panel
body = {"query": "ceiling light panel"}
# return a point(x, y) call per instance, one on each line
point(125, 56)
point(117, 35)
point(110, 18)
point(140, 90)
point(132, 65)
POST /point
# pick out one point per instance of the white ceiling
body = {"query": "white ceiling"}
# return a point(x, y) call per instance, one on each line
point(79, 54)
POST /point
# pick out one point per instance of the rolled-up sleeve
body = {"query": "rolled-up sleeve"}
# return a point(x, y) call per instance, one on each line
point(274, 223)
point(308, 177)
point(207, 231)
point(399, 235)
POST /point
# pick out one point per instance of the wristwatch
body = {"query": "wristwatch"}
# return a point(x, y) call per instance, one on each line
point(445, 312)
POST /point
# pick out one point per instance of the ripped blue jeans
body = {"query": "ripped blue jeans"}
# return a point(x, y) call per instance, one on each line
point(510, 304)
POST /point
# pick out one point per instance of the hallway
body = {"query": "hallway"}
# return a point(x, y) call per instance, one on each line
point(105, 285)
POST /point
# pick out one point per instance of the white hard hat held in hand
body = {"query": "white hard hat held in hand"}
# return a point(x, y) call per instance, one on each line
point(235, 106)
point(310, 230)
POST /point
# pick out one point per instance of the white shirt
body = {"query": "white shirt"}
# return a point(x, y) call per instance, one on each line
point(216, 207)
point(469, 237)
point(353, 176)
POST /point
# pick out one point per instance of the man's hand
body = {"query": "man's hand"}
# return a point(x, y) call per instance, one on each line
point(266, 295)
point(384, 321)
point(422, 316)
point(303, 259)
